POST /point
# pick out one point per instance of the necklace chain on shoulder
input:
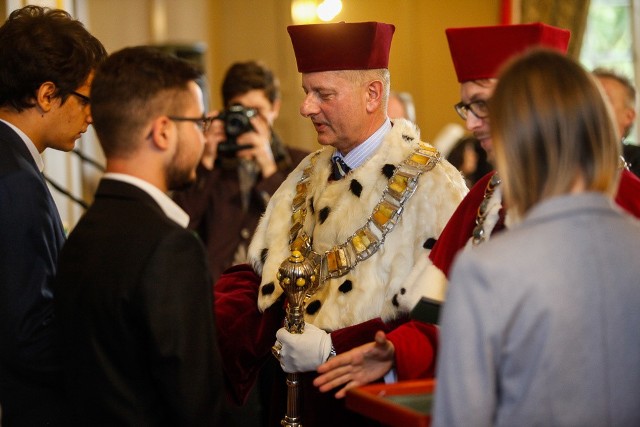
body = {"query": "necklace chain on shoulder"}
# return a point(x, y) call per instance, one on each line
point(362, 244)
point(479, 234)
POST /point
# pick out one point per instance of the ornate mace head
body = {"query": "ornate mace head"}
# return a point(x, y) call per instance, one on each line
point(298, 277)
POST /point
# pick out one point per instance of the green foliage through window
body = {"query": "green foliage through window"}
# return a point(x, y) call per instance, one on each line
point(608, 38)
point(608, 41)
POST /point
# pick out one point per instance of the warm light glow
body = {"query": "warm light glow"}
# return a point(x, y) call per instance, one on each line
point(329, 9)
point(309, 11)
point(303, 11)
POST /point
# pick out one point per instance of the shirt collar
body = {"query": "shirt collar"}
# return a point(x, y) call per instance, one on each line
point(30, 145)
point(168, 206)
point(362, 152)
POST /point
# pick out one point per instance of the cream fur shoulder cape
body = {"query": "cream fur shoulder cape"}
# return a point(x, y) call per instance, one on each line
point(335, 210)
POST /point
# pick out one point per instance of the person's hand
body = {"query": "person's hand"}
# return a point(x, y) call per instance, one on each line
point(214, 136)
point(356, 367)
point(303, 352)
point(259, 141)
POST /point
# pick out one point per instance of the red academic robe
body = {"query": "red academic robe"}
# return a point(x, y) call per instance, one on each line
point(458, 230)
point(245, 336)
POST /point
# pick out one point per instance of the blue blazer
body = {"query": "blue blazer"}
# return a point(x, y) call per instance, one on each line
point(31, 236)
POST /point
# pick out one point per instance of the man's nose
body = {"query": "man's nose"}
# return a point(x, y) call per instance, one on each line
point(472, 122)
point(308, 107)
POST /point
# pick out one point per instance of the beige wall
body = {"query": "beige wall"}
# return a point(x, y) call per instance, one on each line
point(238, 30)
point(420, 61)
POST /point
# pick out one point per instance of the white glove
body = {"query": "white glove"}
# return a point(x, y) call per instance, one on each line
point(303, 352)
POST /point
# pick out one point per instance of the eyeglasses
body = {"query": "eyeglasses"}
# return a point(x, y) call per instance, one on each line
point(204, 122)
point(479, 108)
point(85, 99)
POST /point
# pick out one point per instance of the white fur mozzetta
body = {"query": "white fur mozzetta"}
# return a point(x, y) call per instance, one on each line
point(336, 209)
point(429, 280)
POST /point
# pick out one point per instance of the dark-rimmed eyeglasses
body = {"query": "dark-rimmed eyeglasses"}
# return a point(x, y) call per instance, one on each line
point(204, 122)
point(85, 99)
point(479, 108)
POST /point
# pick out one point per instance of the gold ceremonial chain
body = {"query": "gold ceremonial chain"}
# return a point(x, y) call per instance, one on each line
point(301, 274)
point(479, 232)
point(623, 164)
point(366, 240)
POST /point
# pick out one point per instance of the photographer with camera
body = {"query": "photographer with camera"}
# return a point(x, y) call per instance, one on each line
point(243, 165)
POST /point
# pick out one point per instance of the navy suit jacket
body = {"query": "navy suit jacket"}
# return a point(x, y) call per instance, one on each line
point(31, 236)
point(134, 306)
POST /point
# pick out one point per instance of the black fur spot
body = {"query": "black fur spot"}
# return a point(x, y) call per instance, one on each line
point(403, 291)
point(394, 301)
point(263, 255)
point(407, 138)
point(324, 214)
point(355, 187)
point(268, 288)
point(430, 242)
point(388, 170)
point(346, 286)
point(311, 207)
point(313, 307)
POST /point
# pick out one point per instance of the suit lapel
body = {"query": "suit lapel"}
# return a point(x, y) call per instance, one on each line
point(17, 145)
point(112, 188)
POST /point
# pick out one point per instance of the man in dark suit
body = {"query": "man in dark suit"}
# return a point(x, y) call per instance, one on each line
point(134, 298)
point(46, 67)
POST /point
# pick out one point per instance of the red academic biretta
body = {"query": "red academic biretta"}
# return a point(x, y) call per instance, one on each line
point(479, 52)
point(341, 46)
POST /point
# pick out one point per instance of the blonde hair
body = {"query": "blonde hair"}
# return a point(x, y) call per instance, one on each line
point(551, 129)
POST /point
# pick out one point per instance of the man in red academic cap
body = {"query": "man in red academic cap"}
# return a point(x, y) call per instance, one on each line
point(477, 70)
point(478, 53)
point(366, 207)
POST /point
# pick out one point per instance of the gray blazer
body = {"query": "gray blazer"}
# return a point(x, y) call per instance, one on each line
point(542, 323)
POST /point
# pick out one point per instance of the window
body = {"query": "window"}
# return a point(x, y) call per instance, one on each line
point(608, 40)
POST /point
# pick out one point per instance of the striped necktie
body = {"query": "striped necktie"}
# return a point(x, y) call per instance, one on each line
point(339, 168)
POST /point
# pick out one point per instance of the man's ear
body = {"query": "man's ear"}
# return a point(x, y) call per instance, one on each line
point(374, 95)
point(162, 131)
point(630, 115)
point(45, 96)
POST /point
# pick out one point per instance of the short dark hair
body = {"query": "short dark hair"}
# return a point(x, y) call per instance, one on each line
point(242, 77)
point(132, 87)
point(38, 45)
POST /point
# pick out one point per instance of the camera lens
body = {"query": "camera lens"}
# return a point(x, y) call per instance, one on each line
point(237, 120)
point(236, 124)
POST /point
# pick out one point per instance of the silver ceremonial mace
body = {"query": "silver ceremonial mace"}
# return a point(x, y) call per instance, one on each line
point(298, 276)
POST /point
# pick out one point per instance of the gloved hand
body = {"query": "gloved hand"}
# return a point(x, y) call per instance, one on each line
point(303, 352)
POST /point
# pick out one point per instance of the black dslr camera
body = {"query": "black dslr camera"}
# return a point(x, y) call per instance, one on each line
point(237, 120)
